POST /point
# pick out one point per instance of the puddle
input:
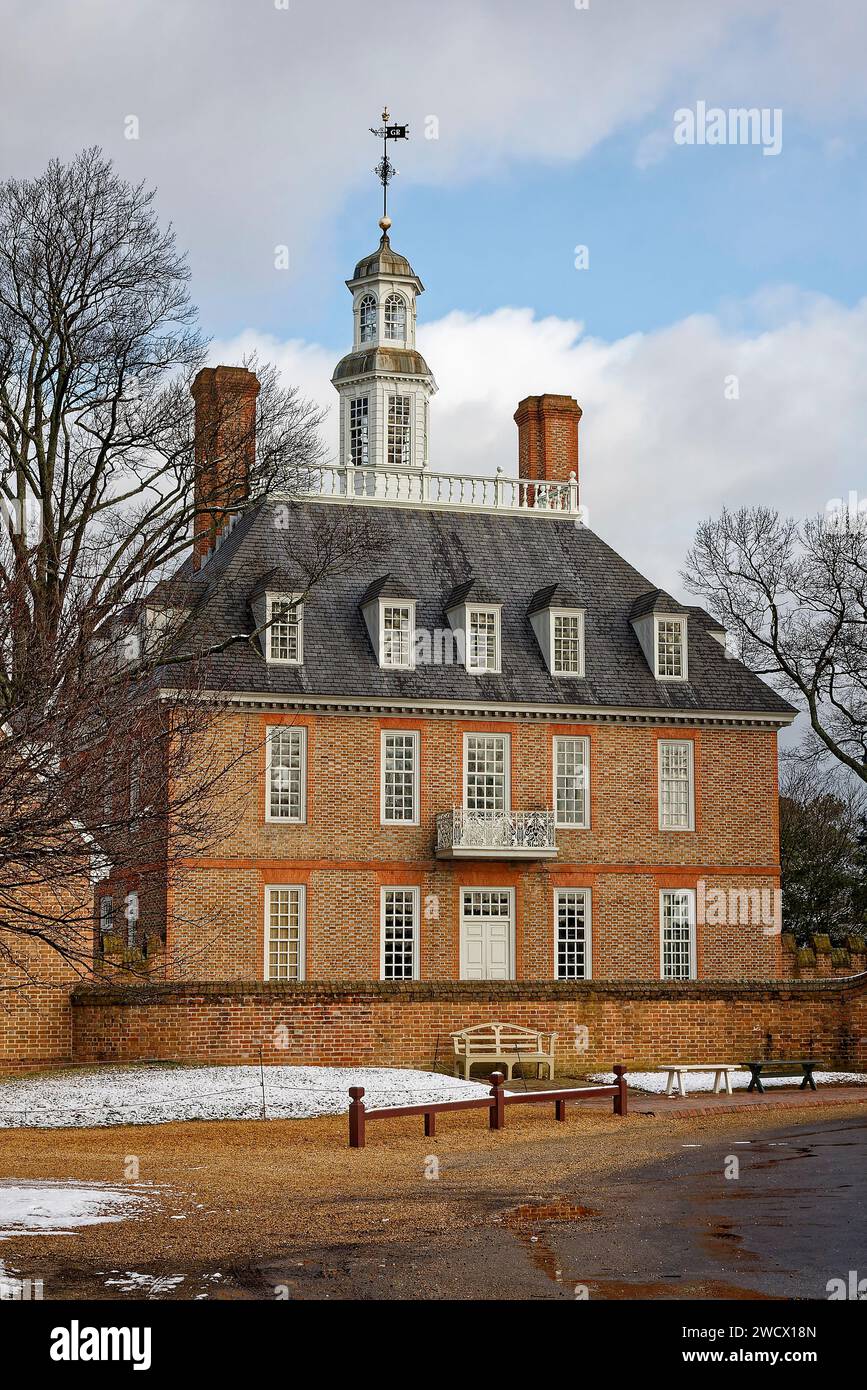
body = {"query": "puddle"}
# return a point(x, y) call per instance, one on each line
point(531, 1214)
point(56, 1208)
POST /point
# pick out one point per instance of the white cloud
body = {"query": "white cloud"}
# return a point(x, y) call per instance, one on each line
point(661, 446)
point(254, 119)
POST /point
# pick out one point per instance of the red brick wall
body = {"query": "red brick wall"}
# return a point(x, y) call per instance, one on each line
point(343, 855)
point(408, 1025)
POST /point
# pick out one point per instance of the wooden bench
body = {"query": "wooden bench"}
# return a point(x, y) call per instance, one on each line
point(678, 1071)
point(506, 1043)
point(782, 1067)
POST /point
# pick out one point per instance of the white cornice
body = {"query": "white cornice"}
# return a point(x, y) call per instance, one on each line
point(467, 709)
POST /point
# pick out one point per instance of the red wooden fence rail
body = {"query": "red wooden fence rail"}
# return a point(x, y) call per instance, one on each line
point(495, 1104)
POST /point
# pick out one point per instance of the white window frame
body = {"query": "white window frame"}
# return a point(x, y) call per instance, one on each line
point(132, 917)
point(414, 736)
point(409, 605)
point(415, 892)
point(571, 824)
point(690, 747)
point(374, 336)
point(360, 402)
point(507, 769)
point(554, 614)
point(272, 729)
point(404, 308)
point(407, 425)
point(294, 601)
point(301, 890)
point(693, 969)
point(135, 767)
point(106, 915)
point(680, 620)
point(474, 609)
point(588, 931)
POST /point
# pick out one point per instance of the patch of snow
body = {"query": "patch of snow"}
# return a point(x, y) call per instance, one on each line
point(655, 1082)
point(148, 1285)
point(146, 1095)
point(56, 1208)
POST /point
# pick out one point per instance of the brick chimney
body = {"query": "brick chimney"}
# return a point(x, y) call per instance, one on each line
point(548, 437)
point(225, 449)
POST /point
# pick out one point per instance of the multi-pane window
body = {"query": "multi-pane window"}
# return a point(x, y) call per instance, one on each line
point(482, 640)
point(108, 786)
point(670, 648)
point(677, 913)
point(572, 781)
point(284, 926)
point(132, 916)
point(367, 319)
point(572, 934)
point(284, 631)
point(396, 634)
point(400, 778)
point(134, 781)
point(359, 431)
point(399, 933)
point(395, 318)
point(675, 784)
point(286, 757)
point(400, 431)
point(106, 915)
point(567, 644)
point(489, 903)
point(486, 772)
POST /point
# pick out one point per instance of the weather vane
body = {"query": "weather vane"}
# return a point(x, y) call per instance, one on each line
point(385, 170)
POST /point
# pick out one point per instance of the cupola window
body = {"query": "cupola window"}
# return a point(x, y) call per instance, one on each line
point(367, 319)
point(395, 319)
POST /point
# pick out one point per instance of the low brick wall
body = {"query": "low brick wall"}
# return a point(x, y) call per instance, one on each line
point(641, 1023)
point(818, 959)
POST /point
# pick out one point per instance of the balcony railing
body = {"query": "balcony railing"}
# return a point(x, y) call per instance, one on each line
point(416, 487)
point(463, 834)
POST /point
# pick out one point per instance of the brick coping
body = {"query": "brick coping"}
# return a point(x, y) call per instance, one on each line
point(415, 991)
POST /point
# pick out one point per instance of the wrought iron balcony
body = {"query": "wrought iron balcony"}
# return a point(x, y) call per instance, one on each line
point(463, 834)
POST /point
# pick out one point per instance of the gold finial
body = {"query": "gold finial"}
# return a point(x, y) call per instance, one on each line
point(385, 115)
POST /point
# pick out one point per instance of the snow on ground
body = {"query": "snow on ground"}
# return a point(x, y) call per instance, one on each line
point(656, 1081)
point(50, 1208)
point(149, 1095)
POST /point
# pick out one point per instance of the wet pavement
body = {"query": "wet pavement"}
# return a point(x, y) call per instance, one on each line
point(789, 1218)
point(753, 1212)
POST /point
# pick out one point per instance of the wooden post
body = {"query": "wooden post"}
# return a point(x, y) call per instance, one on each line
point(498, 1103)
point(430, 1124)
point(356, 1117)
point(560, 1109)
point(620, 1098)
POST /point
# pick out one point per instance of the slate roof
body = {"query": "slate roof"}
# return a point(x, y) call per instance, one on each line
point(431, 552)
point(386, 586)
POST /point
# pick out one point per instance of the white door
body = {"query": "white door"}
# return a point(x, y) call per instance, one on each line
point(487, 934)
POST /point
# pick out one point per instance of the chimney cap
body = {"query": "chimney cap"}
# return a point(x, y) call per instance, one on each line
point(239, 380)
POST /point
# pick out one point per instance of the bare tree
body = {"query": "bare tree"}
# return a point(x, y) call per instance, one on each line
point(98, 471)
point(793, 595)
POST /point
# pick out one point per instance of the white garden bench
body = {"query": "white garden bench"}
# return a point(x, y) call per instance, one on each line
point(678, 1072)
point(505, 1043)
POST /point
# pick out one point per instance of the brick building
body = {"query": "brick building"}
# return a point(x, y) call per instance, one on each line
point(488, 749)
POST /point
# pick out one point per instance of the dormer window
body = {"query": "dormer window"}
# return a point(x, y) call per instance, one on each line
point(284, 628)
point(397, 634)
point(483, 639)
point(367, 319)
point(388, 609)
point(395, 319)
point(670, 649)
point(568, 643)
point(558, 622)
point(660, 624)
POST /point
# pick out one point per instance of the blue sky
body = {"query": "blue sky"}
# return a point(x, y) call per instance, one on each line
point(556, 129)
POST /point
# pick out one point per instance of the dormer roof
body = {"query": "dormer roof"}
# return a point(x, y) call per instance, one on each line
point(386, 586)
point(655, 601)
point(553, 596)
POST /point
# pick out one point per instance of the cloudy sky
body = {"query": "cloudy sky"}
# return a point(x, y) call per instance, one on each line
point(717, 339)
